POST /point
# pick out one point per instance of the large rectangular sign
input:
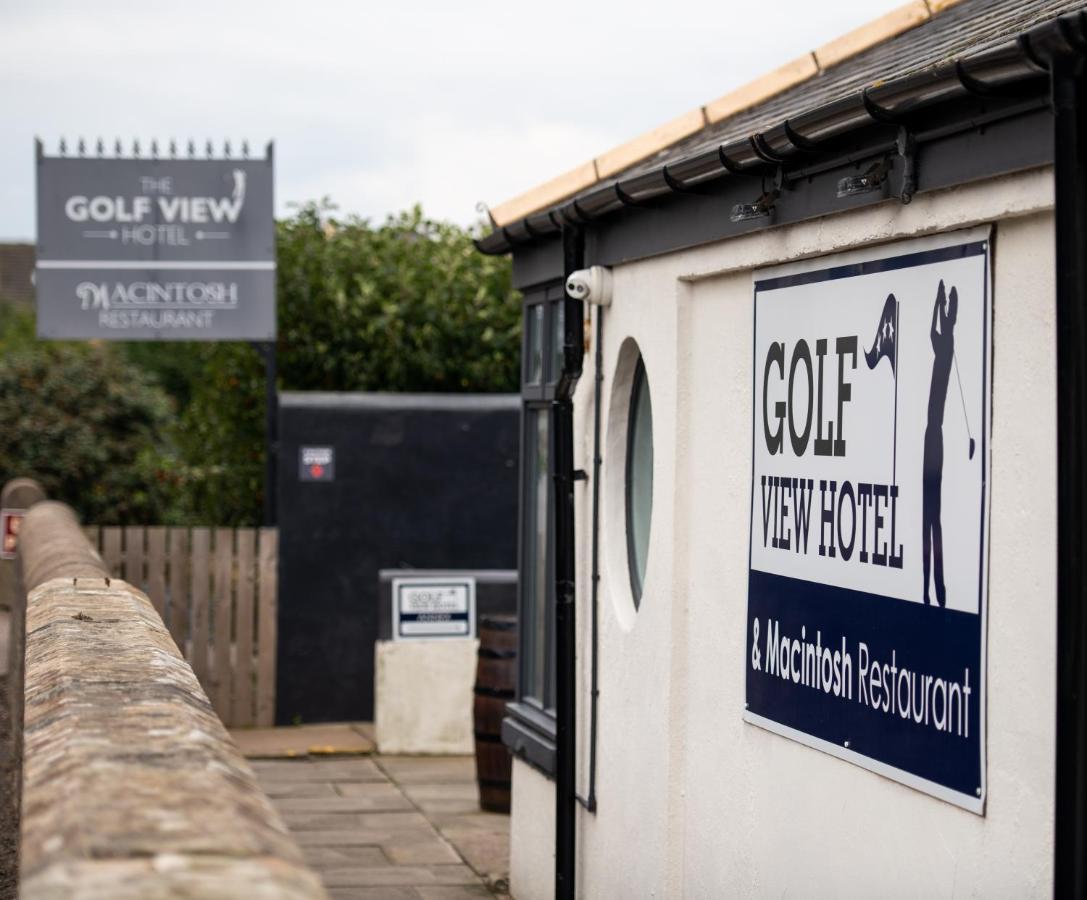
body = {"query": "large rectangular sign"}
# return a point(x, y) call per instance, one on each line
point(155, 249)
point(433, 607)
point(869, 520)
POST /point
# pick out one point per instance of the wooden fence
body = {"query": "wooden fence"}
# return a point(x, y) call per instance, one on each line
point(215, 589)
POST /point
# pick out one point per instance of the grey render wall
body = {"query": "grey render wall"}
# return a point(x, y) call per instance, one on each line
point(421, 482)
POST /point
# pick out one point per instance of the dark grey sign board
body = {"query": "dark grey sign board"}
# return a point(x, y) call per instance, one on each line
point(317, 463)
point(156, 249)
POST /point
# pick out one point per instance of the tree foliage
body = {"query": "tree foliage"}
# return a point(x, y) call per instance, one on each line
point(89, 427)
point(410, 305)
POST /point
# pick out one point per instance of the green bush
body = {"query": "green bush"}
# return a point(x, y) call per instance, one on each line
point(410, 305)
point(89, 427)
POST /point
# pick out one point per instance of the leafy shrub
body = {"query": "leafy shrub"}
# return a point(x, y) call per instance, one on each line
point(89, 427)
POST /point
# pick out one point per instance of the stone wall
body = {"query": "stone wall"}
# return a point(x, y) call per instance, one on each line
point(131, 786)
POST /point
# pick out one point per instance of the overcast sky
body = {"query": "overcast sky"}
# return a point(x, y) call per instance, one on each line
point(382, 105)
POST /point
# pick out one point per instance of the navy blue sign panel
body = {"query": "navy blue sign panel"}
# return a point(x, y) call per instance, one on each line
point(869, 520)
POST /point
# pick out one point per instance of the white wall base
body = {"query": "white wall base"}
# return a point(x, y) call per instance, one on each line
point(532, 834)
point(423, 696)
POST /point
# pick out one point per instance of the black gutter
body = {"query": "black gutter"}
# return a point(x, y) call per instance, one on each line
point(1010, 70)
point(573, 239)
point(1062, 45)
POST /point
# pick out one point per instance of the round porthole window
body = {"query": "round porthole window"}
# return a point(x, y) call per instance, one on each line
point(639, 479)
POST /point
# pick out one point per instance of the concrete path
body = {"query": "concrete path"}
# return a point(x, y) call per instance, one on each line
point(391, 827)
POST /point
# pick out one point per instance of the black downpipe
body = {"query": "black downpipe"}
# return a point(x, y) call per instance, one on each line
point(594, 689)
point(573, 248)
point(1070, 148)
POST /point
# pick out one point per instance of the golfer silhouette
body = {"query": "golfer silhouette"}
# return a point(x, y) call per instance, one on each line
point(944, 313)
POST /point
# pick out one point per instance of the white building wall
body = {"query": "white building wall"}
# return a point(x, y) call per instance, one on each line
point(692, 801)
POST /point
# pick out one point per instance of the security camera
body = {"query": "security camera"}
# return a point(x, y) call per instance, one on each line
point(591, 285)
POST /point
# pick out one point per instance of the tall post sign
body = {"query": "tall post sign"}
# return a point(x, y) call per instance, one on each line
point(869, 532)
point(155, 249)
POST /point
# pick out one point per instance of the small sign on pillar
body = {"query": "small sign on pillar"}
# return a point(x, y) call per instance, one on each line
point(10, 522)
point(430, 607)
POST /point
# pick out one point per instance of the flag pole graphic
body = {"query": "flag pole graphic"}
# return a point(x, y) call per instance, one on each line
point(894, 439)
point(885, 344)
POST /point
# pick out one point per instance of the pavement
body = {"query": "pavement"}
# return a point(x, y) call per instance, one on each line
point(332, 739)
point(388, 827)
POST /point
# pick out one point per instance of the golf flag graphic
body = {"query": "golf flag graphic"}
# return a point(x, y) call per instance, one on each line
point(886, 339)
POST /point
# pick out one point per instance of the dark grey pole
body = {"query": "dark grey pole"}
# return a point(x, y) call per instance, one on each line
point(267, 351)
point(271, 434)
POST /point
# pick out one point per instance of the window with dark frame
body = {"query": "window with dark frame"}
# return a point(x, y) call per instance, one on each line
point(639, 480)
point(530, 724)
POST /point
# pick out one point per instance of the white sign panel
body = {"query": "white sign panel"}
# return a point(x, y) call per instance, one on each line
point(435, 607)
point(869, 517)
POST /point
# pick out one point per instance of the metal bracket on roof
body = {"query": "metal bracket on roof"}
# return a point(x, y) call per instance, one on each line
point(971, 84)
point(573, 214)
point(625, 198)
point(876, 112)
point(1027, 49)
point(907, 152)
point(763, 150)
point(798, 140)
point(674, 184)
point(763, 206)
point(875, 178)
point(870, 181)
point(729, 166)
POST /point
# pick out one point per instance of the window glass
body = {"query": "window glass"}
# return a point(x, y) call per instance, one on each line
point(639, 480)
point(536, 557)
point(534, 324)
point(558, 320)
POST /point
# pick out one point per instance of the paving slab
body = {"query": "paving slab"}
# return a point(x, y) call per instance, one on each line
point(429, 769)
point(361, 788)
point(339, 739)
point(406, 876)
point(374, 893)
point(283, 789)
point(326, 770)
point(485, 850)
point(421, 852)
point(445, 797)
point(320, 821)
point(319, 858)
point(460, 892)
point(388, 800)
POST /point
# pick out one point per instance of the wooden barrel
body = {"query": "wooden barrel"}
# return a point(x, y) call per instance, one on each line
point(496, 678)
